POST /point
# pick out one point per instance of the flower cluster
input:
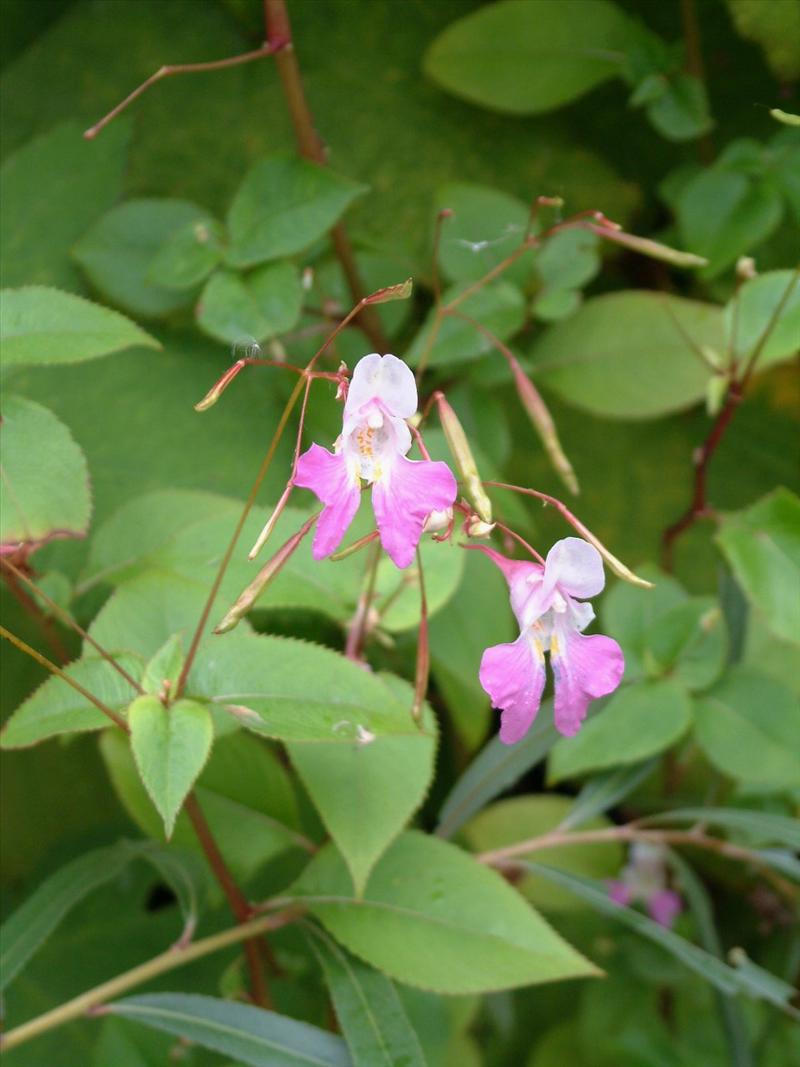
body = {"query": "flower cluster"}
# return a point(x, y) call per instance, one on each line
point(644, 880)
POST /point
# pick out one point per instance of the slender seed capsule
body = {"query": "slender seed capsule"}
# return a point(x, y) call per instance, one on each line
point(465, 461)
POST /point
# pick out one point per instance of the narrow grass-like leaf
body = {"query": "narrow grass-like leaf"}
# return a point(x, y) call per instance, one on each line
point(370, 1012)
point(249, 1035)
point(604, 791)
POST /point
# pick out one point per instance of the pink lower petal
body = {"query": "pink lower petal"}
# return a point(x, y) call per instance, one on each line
point(326, 474)
point(513, 676)
point(664, 906)
point(620, 892)
point(585, 668)
point(404, 497)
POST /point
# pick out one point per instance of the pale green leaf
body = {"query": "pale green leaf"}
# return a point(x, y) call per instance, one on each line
point(57, 708)
point(250, 1035)
point(44, 482)
point(640, 720)
point(764, 316)
point(42, 325)
point(630, 355)
point(368, 1009)
point(164, 666)
point(528, 58)
point(284, 204)
point(762, 546)
point(117, 252)
point(170, 745)
point(629, 614)
point(689, 642)
point(432, 916)
point(188, 256)
point(747, 726)
point(486, 226)
point(522, 818)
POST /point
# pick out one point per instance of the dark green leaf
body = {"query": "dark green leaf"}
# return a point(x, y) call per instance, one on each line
point(423, 920)
point(529, 58)
point(44, 492)
point(747, 726)
point(689, 642)
point(283, 205)
point(41, 325)
point(629, 614)
point(117, 252)
point(250, 1035)
point(638, 721)
point(266, 303)
point(368, 1008)
point(53, 189)
point(681, 112)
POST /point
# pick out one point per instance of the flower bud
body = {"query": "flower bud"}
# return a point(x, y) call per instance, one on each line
point(438, 520)
point(248, 597)
point(465, 461)
point(475, 527)
point(745, 268)
point(391, 292)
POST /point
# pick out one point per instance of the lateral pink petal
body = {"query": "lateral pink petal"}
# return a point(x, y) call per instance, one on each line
point(664, 907)
point(585, 668)
point(620, 892)
point(513, 675)
point(576, 567)
point(404, 497)
point(326, 474)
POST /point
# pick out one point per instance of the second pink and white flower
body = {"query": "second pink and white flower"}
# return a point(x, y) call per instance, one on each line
point(372, 448)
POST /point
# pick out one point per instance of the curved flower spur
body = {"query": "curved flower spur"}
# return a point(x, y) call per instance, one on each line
point(372, 449)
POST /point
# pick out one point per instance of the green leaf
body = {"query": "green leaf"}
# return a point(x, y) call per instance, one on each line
point(495, 769)
point(681, 112)
point(164, 666)
point(486, 226)
point(170, 746)
point(689, 642)
point(25, 930)
point(54, 187)
point(521, 818)
point(640, 720)
point(529, 58)
point(117, 252)
point(714, 971)
point(255, 308)
point(747, 726)
point(630, 355)
point(250, 1035)
point(57, 708)
point(365, 784)
point(723, 214)
point(568, 260)
point(605, 791)
point(774, 25)
point(41, 325)
point(499, 306)
point(629, 614)
point(442, 565)
point(762, 547)
point(188, 256)
point(753, 315)
point(431, 916)
point(368, 1009)
point(44, 491)
point(244, 791)
point(283, 205)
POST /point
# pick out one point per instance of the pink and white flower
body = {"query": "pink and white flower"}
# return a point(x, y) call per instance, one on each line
point(644, 880)
point(550, 618)
point(372, 448)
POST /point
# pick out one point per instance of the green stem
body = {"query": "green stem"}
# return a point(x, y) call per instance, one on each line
point(166, 961)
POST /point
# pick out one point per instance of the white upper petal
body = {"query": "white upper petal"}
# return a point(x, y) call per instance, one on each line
point(386, 379)
point(576, 567)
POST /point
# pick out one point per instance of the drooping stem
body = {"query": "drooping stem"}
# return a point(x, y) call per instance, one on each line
point(54, 669)
point(309, 145)
point(69, 621)
point(212, 596)
point(504, 857)
point(173, 958)
point(238, 903)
